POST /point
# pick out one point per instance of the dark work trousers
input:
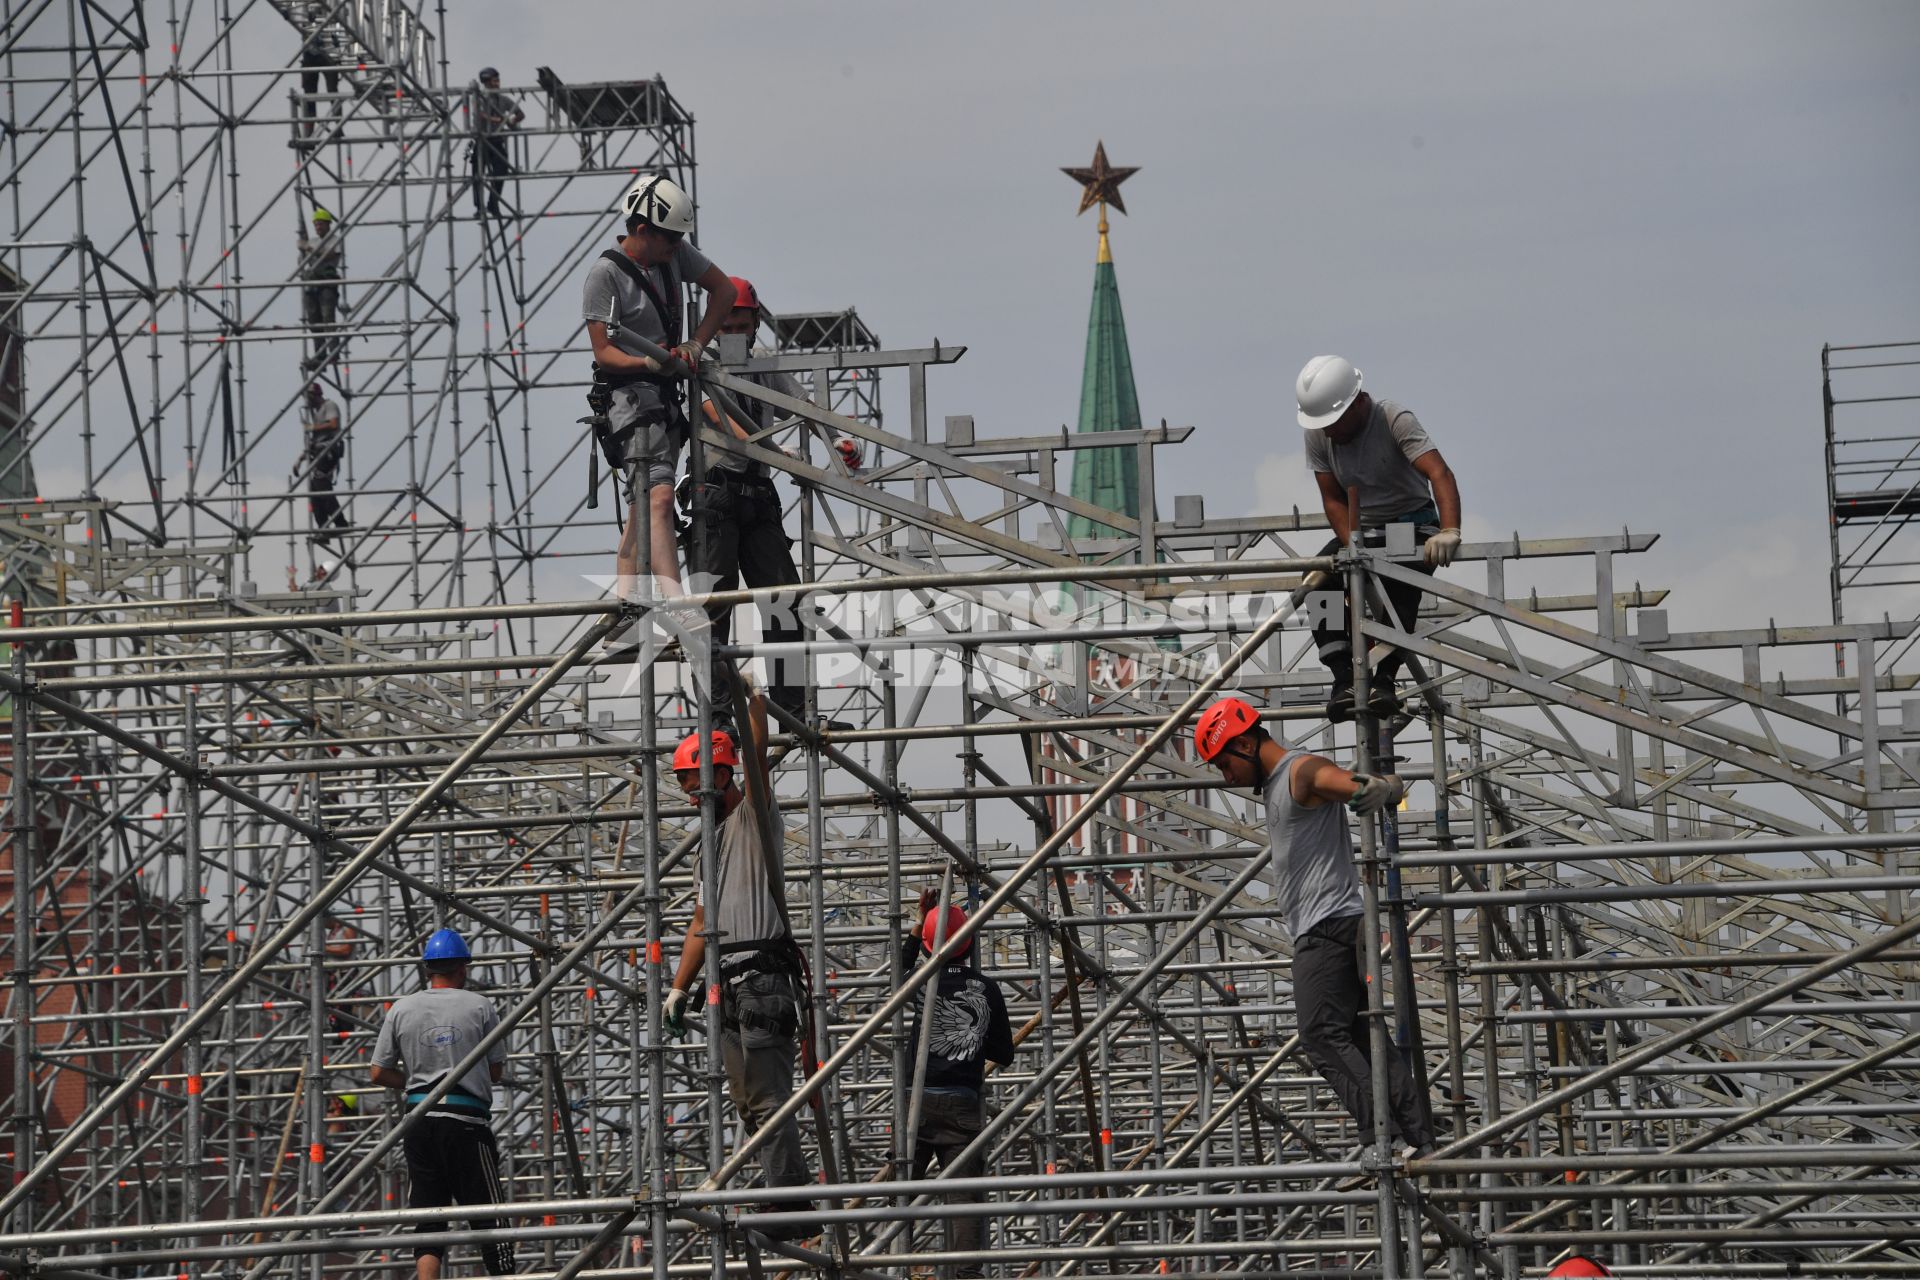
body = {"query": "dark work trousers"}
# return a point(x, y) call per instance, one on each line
point(449, 1162)
point(759, 1021)
point(313, 65)
point(743, 537)
point(491, 169)
point(1330, 637)
point(322, 304)
point(949, 1120)
point(323, 459)
point(1330, 1002)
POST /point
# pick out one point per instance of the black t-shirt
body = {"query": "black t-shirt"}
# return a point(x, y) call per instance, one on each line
point(970, 1028)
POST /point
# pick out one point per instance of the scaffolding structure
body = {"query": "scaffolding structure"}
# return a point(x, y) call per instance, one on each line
point(1867, 393)
point(1647, 920)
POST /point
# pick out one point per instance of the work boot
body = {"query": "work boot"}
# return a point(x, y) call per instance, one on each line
point(1383, 693)
point(1340, 702)
point(1383, 699)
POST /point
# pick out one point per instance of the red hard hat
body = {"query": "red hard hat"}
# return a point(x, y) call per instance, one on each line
point(743, 293)
point(955, 918)
point(1221, 723)
point(1577, 1266)
point(687, 754)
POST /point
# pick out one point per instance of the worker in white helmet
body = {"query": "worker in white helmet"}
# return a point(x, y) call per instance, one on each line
point(635, 291)
point(1357, 441)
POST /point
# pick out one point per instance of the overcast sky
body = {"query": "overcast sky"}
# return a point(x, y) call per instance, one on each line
point(1595, 248)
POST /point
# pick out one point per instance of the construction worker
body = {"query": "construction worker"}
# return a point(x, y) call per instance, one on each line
point(741, 534)
point(1316, 892)
point(635, 291)
point(1355, 441)
point(322, 265)
point(323, 446)
point(493, 115)
point(849, 450)
point(451, 1155)
point(319, 55)
point(969, 1030)
point(761, 984)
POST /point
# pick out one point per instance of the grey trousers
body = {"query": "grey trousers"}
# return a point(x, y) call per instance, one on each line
point(1330, 998)
point(759, 1024)
point(949, 1120)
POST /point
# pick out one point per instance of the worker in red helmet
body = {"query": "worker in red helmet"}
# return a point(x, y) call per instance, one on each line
point(968, 1029)
point(755, 1011)
point(738, 531)
point(1317, 892)
point(1578, 1267)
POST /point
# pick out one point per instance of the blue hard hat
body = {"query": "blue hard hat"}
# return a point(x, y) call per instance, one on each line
point(446, 944)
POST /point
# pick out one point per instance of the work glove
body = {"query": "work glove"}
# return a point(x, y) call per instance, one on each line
point(1376, 793)
point(671, 367)
point(1442, 547)
point(673, 1011)
point(689, 351)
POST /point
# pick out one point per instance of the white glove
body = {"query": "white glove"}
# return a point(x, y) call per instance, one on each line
point(668, 368)
point(1376, 793)
point(689, 351)
point(1442, 547)
point(673, 1011)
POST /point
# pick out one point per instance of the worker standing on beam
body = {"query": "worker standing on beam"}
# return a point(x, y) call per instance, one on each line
point(762, 987)
point(322, 267)
point(636, 291)
point(1317, 893)
point(969, 1029)
point(451, 1154)
point(1355, 441)
point(493, 115)
point(743, 534)
point(323, 447)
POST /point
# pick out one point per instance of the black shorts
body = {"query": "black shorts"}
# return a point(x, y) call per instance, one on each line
point(451, 1162)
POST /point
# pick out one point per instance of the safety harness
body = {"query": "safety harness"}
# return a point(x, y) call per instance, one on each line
point(671, 310)
point(777, 956)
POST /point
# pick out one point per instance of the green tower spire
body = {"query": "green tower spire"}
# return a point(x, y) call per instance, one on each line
point(1108, 478)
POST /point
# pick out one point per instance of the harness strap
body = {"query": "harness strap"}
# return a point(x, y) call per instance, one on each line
point(671, 317)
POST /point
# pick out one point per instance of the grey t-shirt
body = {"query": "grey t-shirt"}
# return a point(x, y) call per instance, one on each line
point(492, 111)
point(431, 1030)
point(1313, 875)
point(1379, 459)
point(634, 310)
point(763, 416)
point(323, 257)
point(324, 417)
point(748, 910)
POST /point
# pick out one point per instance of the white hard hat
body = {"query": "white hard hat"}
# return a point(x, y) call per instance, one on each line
point(1324, 389)
point(657, 200)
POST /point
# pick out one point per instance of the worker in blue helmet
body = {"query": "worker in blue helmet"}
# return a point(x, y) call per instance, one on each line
point(451, 1154)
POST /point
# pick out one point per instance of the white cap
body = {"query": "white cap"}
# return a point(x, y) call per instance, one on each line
point(658, 201)
point(1324, 390)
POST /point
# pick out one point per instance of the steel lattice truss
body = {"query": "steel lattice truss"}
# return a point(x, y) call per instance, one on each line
point(1646, 919)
